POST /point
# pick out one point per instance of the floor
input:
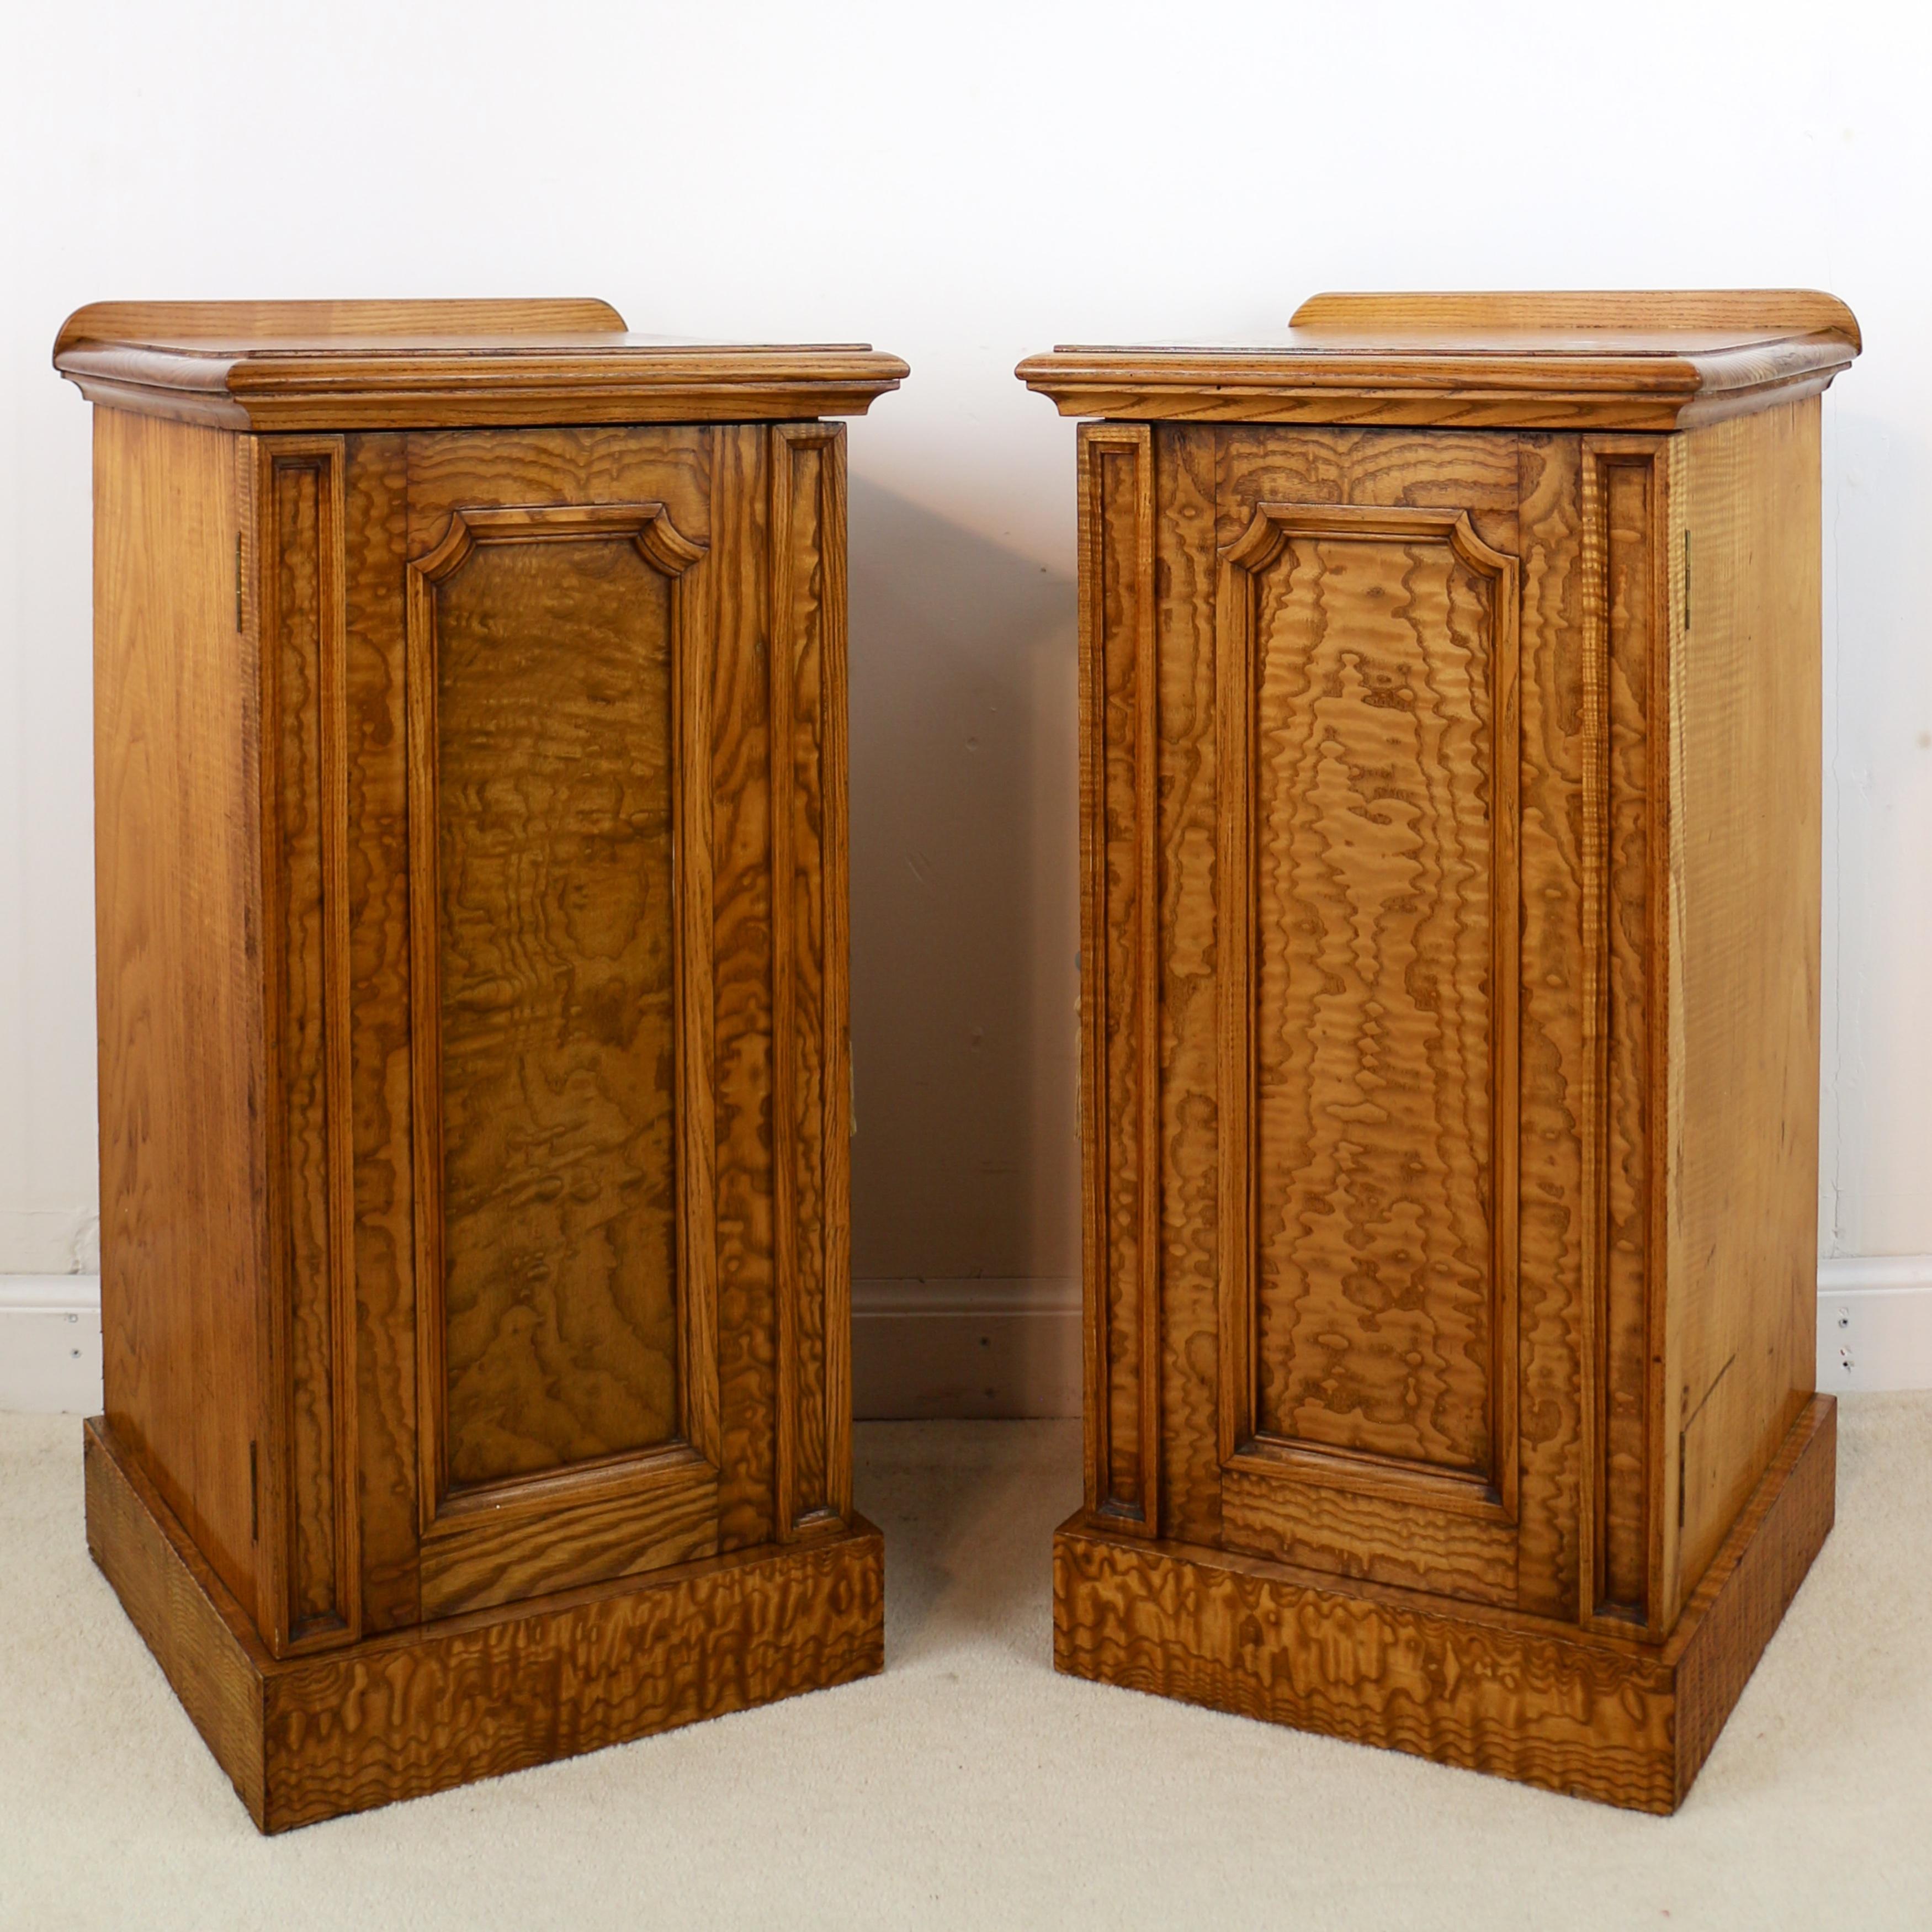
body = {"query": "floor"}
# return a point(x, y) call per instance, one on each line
point(970, 1786)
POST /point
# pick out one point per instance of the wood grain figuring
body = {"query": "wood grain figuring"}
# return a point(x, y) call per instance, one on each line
point(1376, 639)
point(1595, 1715)
point(640, 1367)
point(1186, 575)
point(180, 924)
point(1744, 973)
point(1418, 1675)
point(298, 534)
point(741, 1022)
point(1120, 753)
point(557, 971)
point(377, 549)
point(477, 1695)
point(1307, 1510)
point(501, 1544)
point(1626, 616)
point(810, 1102)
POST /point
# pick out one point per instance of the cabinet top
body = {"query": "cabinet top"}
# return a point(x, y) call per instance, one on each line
point(1622, 359)
point(339, 365)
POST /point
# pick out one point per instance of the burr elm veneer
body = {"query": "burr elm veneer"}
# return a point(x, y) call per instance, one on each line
point(470, 687)
point(1450, 769)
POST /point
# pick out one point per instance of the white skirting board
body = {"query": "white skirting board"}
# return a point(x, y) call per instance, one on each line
point(50, 1343)
point(981, 1348)
point(1875, 1323)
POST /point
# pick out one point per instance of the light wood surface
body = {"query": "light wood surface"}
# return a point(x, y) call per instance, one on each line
point(474, 1056)
point(178, 917)
point(1635, 360)
point(292, 366)
point(1743, 988)
point(1450, 1002)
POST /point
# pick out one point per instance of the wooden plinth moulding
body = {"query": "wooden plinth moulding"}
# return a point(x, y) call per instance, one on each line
point(470, 867)
point(1450, 687)
point(474, 1696)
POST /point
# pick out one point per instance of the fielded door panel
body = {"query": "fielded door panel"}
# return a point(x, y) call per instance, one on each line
point(1367, 662)
point(558, 659)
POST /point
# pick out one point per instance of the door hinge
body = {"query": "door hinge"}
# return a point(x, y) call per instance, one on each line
point(254, 1496)
point(239, 626)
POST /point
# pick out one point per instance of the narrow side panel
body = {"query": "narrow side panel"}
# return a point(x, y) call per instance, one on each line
point(810, 1102)
point(1625, 499)
point(299, 529)
point(741, 989)
point(1184, 581)
point(1550, 1035)
point(1120, 953)
point(376, 518)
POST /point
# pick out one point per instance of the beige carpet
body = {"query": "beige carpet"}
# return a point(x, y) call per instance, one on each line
point(970, 1786)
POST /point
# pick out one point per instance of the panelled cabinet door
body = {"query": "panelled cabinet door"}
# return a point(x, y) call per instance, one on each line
point(558, 649)
point(1366, 651)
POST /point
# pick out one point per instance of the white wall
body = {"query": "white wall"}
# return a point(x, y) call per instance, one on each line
point(962, 186)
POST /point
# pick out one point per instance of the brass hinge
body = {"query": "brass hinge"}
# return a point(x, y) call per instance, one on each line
point(239, 626)
point(254, 1496)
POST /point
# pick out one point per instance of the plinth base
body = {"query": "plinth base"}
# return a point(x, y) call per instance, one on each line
point(470, 1697)
point(1601, 1716)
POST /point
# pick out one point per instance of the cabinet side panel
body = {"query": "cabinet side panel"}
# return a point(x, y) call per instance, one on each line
point(375, 515)
point(1184, 582)
point(1744, 987)
point(1551, 1037)
point(179, 924)
point(741, 991)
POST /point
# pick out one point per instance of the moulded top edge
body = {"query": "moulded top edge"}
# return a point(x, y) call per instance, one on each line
point(306, 365)
point(1647, 359)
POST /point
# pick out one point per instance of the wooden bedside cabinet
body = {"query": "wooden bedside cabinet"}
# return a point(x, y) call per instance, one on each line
point(470, 792)
point(1450, 744)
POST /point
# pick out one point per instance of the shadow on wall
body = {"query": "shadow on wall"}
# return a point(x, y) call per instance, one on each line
point(965, 922)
